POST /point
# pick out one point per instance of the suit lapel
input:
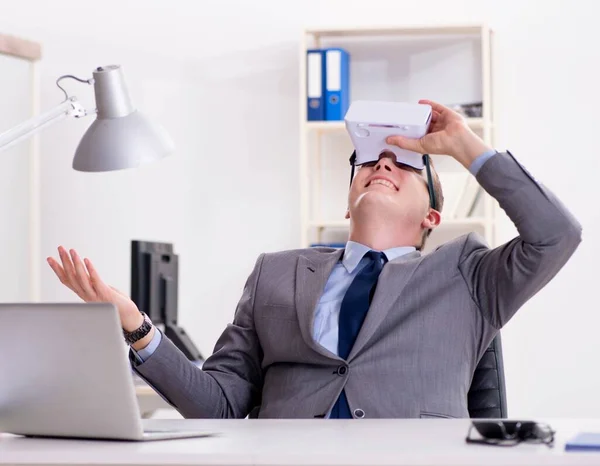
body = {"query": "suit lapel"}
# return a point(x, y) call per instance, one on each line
point(394, 277)
point(311, 277)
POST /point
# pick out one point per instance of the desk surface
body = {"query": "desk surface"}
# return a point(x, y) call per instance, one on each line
point(304, 442)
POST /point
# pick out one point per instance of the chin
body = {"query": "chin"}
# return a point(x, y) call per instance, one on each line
point(378, 204)
point(379, 197)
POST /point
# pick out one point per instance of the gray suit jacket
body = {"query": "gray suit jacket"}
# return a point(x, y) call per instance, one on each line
point(431, 319)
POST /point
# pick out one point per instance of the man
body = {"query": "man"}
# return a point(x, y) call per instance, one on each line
point(376, 330)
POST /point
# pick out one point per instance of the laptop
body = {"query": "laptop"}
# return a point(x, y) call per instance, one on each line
point(65, 373)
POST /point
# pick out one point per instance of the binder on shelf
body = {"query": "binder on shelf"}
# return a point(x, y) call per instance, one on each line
point(337, 80)
point(315, 85)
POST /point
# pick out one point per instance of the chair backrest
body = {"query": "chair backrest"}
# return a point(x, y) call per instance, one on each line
point(487, 395)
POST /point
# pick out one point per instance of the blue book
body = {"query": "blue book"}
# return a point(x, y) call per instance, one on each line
point(585, 441)
point(315, 85)
point(337, 83)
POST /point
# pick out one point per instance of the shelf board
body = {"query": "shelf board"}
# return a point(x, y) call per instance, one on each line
point(446, 222)
point(459, 29)
point(335, 126)
point(20, 48)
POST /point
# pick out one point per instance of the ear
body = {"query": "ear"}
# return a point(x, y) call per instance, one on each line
point(347, 216)
point(432, 220)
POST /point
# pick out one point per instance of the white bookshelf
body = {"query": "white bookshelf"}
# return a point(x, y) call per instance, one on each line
point(450, 64)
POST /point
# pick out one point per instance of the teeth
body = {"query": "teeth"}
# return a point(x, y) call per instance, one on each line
point(383, 182)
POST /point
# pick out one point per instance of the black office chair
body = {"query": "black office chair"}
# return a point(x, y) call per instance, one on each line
point(487, 395)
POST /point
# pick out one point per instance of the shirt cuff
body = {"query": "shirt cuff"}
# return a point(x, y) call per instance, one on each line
point(480, 161)
point(149, 349)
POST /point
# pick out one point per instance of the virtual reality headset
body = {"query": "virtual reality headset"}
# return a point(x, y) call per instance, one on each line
point(370, 123)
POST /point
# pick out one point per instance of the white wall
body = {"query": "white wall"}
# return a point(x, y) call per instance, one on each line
point(16, 77)
point(222, 77)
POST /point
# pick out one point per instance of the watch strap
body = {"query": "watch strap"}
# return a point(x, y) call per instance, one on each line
point(140, 332)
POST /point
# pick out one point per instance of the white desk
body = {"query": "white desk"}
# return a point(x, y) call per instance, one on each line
point(310, 442)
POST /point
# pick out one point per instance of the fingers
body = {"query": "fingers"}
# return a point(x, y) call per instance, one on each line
point(82, 277)
point(79, 276)
point(60, 272)
point(71, 276)
point(414, 145)
point(100, 287)
point(435, 121)
point(443, 113)
point(434, 105)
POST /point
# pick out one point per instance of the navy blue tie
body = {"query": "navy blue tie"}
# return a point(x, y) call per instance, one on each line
point(353, 311)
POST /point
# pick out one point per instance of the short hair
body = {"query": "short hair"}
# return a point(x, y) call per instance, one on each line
point(439, 200)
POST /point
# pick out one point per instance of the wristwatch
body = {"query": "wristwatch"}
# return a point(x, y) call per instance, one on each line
point(140, 332)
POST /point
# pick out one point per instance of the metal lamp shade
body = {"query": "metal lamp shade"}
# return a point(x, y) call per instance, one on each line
point(126, 142)
point(121, 137)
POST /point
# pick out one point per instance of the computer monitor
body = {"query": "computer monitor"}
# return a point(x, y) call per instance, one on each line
point(154, 287)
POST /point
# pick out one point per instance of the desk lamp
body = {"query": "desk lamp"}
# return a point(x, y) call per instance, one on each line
point(120, 137)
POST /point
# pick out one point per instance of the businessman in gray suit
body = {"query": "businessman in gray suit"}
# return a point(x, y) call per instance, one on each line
point(375, 330)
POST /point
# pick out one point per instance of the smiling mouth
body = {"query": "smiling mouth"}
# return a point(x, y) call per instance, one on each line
point(386, 183)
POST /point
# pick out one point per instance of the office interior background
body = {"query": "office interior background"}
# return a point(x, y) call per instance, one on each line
point(223, 78)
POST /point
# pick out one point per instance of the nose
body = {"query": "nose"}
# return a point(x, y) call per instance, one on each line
point(386, 160)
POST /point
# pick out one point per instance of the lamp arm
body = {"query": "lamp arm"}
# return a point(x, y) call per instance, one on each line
point(68, 108)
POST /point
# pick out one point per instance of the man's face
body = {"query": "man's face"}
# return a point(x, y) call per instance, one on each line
point(390, 190)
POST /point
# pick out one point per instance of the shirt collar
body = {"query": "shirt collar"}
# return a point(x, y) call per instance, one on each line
point(354, 252)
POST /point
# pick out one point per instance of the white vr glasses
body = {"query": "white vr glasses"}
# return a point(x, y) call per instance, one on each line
point(370, 123)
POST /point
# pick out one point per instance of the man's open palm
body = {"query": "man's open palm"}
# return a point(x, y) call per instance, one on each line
point(82, 278)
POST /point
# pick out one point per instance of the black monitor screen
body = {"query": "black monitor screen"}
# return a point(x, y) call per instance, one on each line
point(154, 273)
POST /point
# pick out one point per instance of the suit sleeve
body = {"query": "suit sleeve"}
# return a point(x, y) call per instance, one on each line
point(501, 280)
point(230, 382)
